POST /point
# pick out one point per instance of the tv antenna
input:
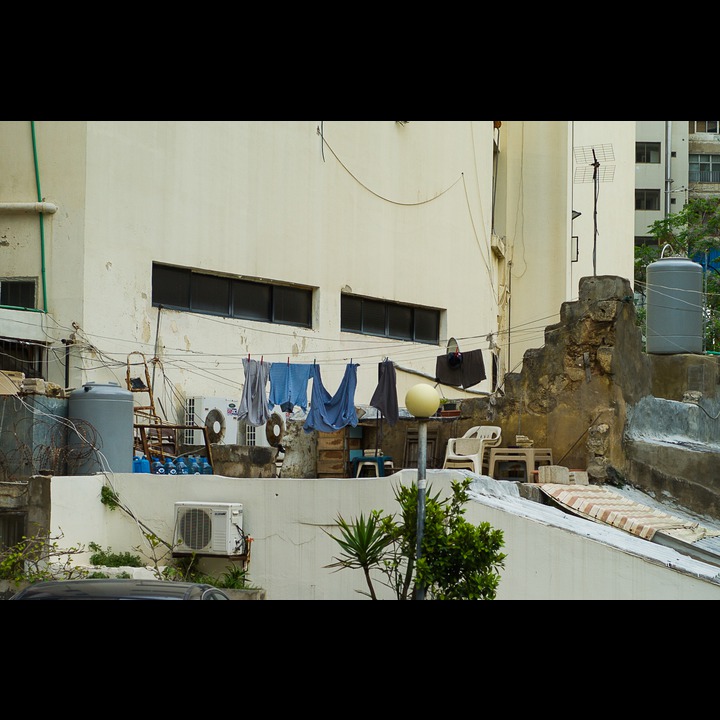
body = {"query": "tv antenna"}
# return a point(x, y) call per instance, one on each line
point(590, 169)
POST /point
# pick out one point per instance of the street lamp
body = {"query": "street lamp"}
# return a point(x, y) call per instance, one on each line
point(422, 401)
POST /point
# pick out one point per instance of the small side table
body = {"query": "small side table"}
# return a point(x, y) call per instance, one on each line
point(376, 462)
point(531, 457)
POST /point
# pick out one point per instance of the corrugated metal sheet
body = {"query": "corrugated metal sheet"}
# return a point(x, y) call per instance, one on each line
point(603, 505)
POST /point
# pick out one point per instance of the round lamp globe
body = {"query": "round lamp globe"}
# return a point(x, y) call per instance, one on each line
point(422, 400)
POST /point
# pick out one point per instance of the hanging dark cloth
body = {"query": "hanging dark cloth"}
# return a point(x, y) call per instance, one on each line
point(329, 413)
point(254, 404)
point(460, 369)
point(385, 396)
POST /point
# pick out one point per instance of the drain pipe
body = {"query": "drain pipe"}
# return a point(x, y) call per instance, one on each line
point(28, 207)
point(11, 208)
point(668, 156)
point(42, 223)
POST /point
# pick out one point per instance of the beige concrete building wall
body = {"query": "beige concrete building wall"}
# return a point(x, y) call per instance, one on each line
point(375, 208)
point(544, 177)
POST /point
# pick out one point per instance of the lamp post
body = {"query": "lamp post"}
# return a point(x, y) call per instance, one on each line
point(422, 401)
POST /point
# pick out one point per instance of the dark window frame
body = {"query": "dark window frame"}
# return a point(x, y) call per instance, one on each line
point(645, 151)
point(208, 293)
point(13, 527)
point(16, 292)
point(362, 315)
point(704, 126)
point(641, 240)
point(647, 199)
point(24, 356)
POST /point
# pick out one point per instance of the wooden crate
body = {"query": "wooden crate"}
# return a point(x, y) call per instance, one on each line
point(334, 452)
point(331, 441)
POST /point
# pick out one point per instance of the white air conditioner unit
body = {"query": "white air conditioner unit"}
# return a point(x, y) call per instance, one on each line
point(497, 245)
point(256, 435)
point(218, 415)
point(209, 528)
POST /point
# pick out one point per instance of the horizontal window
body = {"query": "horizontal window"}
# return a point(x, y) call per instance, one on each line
point(703, 126)
point(645, 240)
point(392, 320)
point(184, 289)
point(17, 293)
point(24, 356)
point(647, 152)
point(647, 199)
point(704, 168)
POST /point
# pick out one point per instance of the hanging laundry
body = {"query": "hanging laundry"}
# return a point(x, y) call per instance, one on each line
point(460, 369)
point(288, 385)
point(329, 413)
point(385, 396)
point(253, 404)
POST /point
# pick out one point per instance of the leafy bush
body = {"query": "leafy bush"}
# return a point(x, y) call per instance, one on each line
point(39, 557)
point(458, 560)
point(107, 558)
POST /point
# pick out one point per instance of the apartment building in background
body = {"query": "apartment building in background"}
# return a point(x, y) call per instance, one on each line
point(676, 161)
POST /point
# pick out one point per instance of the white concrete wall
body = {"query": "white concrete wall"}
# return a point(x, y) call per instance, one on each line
point(550, 555)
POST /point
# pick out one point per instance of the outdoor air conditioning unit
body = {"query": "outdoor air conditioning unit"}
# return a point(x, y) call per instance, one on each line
point(209, 528)
point(218, 415)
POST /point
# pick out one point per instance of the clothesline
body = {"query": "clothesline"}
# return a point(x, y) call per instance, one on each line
point(330, 412)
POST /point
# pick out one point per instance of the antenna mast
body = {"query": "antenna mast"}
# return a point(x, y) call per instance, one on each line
point(590, 156)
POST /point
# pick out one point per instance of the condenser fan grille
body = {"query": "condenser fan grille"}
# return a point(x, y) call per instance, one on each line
point(195, 528)
point(215, 424)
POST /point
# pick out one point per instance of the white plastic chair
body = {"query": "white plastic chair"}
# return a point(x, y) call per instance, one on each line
point(469, 451)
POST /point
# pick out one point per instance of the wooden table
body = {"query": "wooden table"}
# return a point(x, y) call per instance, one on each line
point(530, 457)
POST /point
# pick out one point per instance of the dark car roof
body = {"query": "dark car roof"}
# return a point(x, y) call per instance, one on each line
point(118, 589)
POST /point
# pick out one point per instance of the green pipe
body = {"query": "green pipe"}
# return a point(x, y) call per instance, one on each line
point(42, 221)
point(15, 307)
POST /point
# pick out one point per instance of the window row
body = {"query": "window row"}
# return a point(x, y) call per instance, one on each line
point(390, 320)
point(185, 289)
point(704, 126)
point(704, 168)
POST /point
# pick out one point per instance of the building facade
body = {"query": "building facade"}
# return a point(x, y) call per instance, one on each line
point(203, 246)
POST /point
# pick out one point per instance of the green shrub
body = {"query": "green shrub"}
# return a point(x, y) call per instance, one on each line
point(107, 558)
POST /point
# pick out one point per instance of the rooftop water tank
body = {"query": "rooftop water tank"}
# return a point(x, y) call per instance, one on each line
point(674, 306)
point(104, 417)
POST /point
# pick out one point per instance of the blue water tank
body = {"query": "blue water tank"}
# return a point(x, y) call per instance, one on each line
point(674, 306)
point(103, 441)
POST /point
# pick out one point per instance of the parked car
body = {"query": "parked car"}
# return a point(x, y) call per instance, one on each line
point(118, 589)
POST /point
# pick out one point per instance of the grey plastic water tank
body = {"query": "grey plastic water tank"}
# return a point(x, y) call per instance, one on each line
point(674, 306)
point(104, 417)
